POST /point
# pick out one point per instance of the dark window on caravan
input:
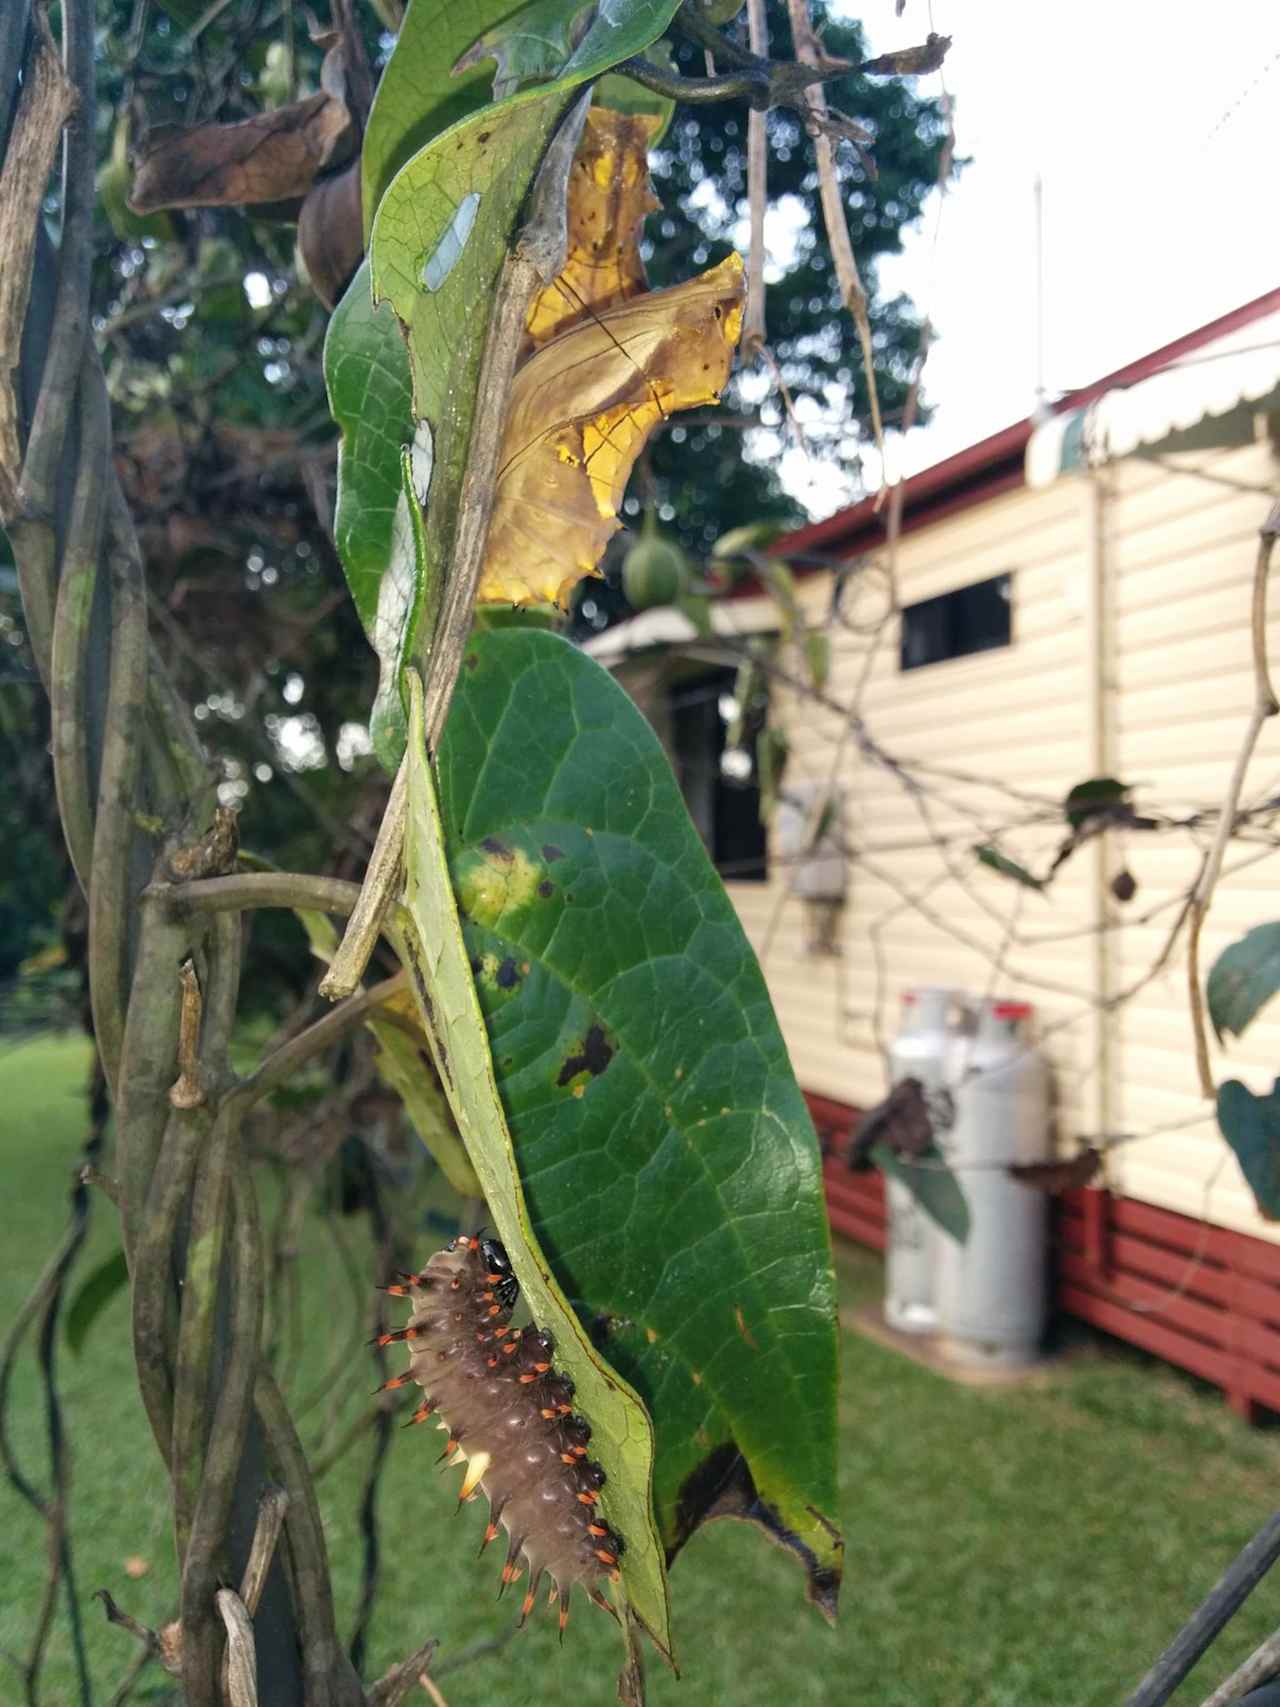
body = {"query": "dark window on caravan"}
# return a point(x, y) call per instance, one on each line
point(723, 797)
point(971, 619)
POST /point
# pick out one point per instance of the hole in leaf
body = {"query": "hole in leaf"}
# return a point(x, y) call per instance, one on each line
point(453, 240)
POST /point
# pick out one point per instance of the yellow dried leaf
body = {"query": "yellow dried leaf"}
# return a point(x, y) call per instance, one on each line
point(581, 409)
point(609, 196)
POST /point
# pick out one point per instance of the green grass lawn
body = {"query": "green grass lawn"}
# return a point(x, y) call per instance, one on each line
point(1014, 1547)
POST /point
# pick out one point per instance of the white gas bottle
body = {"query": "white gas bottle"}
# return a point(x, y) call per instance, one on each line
point(920, 1051)
point(992, 1290)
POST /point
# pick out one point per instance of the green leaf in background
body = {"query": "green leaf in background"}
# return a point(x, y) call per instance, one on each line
point(1244, 979)
point(994, 860)
point(668, 1160)
point(429, 942)
point(1087, 799)
point(1251, 1126)
point(933, 1185)
point(95, 1292)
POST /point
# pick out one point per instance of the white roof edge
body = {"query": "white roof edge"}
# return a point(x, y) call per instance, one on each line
point(1241, 367)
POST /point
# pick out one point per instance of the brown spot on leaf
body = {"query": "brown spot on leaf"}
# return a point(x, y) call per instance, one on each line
point(546, 889)
point(499, 850)
point(508, 974)
point(595, 1056)
point(551, 853)
point(471, 660)
point(743, 1329)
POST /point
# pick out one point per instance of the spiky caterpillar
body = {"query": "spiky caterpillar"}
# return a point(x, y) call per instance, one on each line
point(510, 1416)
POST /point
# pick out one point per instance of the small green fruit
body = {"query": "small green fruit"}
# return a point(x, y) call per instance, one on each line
point(655, 571)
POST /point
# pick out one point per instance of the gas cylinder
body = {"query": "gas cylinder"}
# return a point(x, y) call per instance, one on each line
point(920, 1051)
point(992, 1290)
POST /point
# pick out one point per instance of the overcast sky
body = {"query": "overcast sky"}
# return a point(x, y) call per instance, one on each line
point(1156, 129)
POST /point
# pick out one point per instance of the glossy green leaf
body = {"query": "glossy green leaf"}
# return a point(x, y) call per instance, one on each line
point(1251, 1125)
point(933, 1185)
point(95, 1292)
point(994, 860)
point(668, 1159)
point(1244, 979)
point(418, 94)
point(378, 526)
point(429, 941)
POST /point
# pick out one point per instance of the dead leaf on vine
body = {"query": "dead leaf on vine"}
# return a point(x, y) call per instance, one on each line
point(330, 233)
point(609, 196)
point(1057, 1177)
point(581, 410)
point(902, 1121)
point(271, 157)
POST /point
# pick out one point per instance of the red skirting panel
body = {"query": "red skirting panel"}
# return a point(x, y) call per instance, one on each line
point(1204, 1299)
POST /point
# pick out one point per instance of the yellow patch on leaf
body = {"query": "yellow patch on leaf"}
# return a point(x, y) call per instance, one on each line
point(609, 196)
point(581, 410)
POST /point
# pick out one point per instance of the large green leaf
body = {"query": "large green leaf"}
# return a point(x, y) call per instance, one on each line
point(429, 941)
point(667, 1155)
point(1251, 1125)
point(1244, 978)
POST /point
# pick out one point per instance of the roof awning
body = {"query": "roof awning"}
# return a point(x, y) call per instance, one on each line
point(1205, 398)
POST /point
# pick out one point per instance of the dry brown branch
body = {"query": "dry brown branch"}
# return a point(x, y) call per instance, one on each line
point(271, 1516)
point(241, 1663)
point(47, 101)
point(1262, 1665)
point(809, 51)
point(754, 335)
point(1265, 705)
point(392, 1687)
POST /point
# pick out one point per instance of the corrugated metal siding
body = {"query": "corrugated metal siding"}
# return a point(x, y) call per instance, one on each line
point(1179, 553)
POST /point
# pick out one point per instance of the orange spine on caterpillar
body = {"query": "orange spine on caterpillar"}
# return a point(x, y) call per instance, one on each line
point(510, 1418)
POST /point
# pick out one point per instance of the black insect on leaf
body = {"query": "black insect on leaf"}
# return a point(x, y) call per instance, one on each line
point(991, 857)
point(1057, 1177)
point(1251, 1126)
point(901, 1122)
point(1244, 978)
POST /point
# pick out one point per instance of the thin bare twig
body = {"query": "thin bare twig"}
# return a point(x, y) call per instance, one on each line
point(1265, 705)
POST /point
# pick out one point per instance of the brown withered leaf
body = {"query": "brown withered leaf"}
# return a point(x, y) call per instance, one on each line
point(1057, 1177)
point(609, 196)
point(271, 157)
point(331, 234)
point(902, 1121)
point(909, 61)
point(581, 409)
